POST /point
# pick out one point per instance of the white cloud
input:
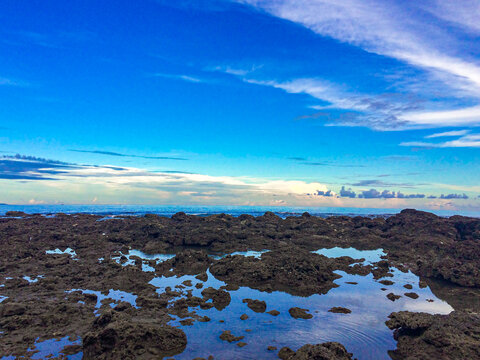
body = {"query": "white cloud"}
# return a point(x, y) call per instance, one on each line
point(112, 182)
point(448, 134)
point(399, 30)
point(462, 13)
point(467, 116)
point(82, 184)
point(317, 88)
point(467, 141)
point(378, 26)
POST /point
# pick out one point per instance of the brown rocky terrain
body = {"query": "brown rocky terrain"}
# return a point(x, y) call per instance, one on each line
point(325, 351)
point(442, 250)
point(425, 336)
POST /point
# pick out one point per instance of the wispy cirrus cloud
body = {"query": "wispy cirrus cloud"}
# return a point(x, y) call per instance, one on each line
point(462, 13)
point(417, 34)
point(380, 111)
point(183, 77)
point(387, 28)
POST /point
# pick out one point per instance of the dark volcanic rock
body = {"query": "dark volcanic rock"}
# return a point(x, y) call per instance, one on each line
point(295, 271)
point(299, 313)
point(191, 262)
point(15, 214)
point(411, 295)
point(11, 309)
point(113, 337)
point(340, 310)
point(441, 250)
point(425, 336)
point(436, 247)
point(460, 298)
point(220, 298)
point(228, 336)
point(386, 282)
point(325, 351)
point(393, 297)
point(256, 305)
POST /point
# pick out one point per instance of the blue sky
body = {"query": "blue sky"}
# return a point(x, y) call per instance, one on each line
point(247, 102)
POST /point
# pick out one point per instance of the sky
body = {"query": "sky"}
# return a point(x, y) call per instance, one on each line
point(358, 103)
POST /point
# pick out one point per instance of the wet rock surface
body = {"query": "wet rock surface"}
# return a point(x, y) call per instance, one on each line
point(296, 271)
point(325, 351)
point(220, 298)
point(228, 336)
point(299, 313)
point(425, 336)
point(339, 310)
point(114, 336)
point(52, 303)
point(393, 297)
point(256, 305)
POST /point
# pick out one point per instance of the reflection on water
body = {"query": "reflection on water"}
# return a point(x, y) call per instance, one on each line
point(51, 348)
point(161, 283)
point(461, 298)
point(115, 295)
point(363, 331)
point(32, 279)
point(67, 251)
point(249, 253)
point(370, 256)
point(158, 258)
point(55, 347)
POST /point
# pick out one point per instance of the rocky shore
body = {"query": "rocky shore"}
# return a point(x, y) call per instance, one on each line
point(46, 263)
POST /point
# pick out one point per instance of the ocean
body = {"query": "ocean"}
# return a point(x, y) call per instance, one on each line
point(140, 210)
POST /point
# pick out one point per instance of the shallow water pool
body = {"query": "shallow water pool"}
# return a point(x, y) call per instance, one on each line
point(363, 332)
point(51, 348)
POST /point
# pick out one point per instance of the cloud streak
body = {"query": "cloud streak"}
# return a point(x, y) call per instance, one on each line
point(448, 134)
point(187, 78)
point(20, 167)
point(304, 161)
point(383, 27)
point(110, 153)
point(467, 141)
point(417, 34)
point(377, 111)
